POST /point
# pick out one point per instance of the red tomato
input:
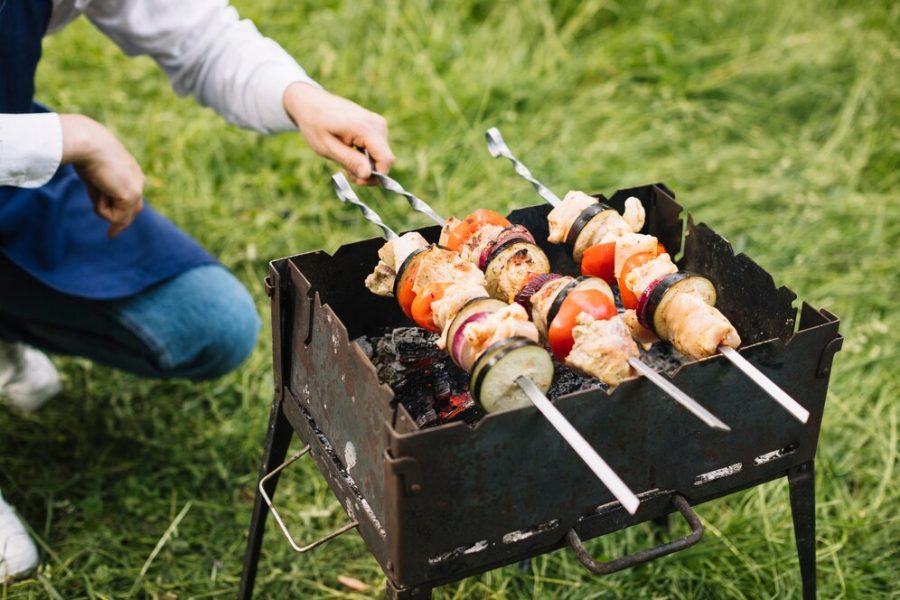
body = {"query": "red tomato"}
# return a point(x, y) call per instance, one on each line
point(421, 306)
point(600, 261)
point(593, 302)
point(475, 221)
point(629, 300)
point(405, 293)
point(660, 249)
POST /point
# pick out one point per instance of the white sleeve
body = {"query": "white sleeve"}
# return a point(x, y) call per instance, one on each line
point(30, 148)
point(209, 52)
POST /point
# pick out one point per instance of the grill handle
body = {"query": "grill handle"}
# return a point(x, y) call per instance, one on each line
point(642, 556)
point(284, 529)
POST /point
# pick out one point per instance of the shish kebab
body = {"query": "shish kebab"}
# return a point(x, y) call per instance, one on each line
point(496, 344)
point(577, 317)
point(649, 282)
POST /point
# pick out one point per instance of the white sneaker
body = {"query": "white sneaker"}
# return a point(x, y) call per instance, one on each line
point(18, 555)
point(27, 377)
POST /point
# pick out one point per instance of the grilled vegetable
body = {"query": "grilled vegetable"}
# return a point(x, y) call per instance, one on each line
point(465, 228)
point(504, 238)
point(455, 329)
point(533, 284)
point(591, 301)
point(493, 379)
point(406, 276)
point(421, 306)
point(510, 264)
point(600, 261)
point(629, 300)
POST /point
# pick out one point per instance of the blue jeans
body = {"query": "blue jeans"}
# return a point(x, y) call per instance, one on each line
point(198, 325)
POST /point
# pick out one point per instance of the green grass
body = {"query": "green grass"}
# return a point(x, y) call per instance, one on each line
point(775, 122)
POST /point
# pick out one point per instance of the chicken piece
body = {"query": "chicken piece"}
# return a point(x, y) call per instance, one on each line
point(454, 298)
point(639, 333)
point(391, 256)
point(542, 300)
point(634, 214)
point(449, 225)
point(509, 321)
point(630, 244)
point(476, 244)
point(438, 264)
point(695, 328)
point(640, 277)
point(381, 281)
point(602, 348)
point(561, 217)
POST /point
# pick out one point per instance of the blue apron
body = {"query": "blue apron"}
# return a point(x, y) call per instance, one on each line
point(52, 232)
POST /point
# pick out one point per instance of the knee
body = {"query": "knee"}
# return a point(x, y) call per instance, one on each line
point(228, 333)
point(201, 325)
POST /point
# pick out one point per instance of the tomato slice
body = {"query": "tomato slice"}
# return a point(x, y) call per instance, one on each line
point(472, 223)
point(660, 249)
point(590, 301)
point(600, 261)
point(405, 293)
point(421, 305)
point(629, 300)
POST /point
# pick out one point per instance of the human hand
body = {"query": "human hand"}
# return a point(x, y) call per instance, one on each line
point(113, 177)
point(341, 130)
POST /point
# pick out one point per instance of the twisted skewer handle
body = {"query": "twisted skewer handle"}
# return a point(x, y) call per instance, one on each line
point(416, 203)
point(497, 147)
point(346, 194)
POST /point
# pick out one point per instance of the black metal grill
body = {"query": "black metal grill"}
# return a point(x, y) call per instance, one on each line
point(440, 504)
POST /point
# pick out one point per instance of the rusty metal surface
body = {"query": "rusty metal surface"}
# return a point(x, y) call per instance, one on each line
point(458, 500)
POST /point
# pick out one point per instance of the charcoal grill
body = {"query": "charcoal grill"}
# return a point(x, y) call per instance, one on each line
point(440, 504)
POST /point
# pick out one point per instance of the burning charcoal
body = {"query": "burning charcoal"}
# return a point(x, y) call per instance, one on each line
point(461, 407)
point(415, 345)
point(663, 357)
point(567, 381)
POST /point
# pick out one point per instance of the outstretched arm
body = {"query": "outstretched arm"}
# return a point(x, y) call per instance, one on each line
point(209, 52)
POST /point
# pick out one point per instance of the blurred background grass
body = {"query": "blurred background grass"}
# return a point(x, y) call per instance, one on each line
point(775, 122)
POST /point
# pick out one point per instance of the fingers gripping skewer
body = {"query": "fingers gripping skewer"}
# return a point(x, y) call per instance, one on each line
point(581, 446)
point(417, 204)
point(346, 194)
point(780, 396)
point(498, 147)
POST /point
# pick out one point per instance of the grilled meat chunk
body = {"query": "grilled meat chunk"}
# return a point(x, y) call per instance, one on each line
point(602, 349)
point(391, 256)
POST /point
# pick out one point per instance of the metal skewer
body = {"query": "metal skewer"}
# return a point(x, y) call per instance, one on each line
point(497, 147)
point(581, 447)
point(417, 204)
point(679, 396)
point(780, 396)
point(346, 194)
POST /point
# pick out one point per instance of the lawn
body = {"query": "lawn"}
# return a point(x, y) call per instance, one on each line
point(774, 122)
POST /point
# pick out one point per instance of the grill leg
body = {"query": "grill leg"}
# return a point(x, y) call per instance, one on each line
point(802, 485)
point(277, 441)
point(416, 593)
